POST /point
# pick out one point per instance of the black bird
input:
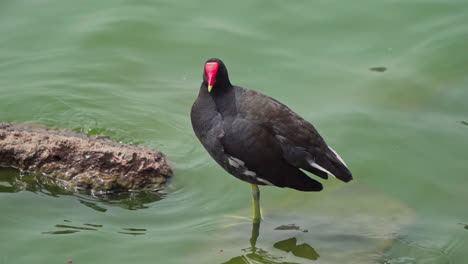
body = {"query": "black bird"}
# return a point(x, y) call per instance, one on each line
point(258, 139)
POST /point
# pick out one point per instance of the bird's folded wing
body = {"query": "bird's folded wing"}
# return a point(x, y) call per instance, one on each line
point(256, 149)
point(301, 144)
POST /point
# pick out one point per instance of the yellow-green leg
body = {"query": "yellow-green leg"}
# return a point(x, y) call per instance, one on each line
point(256, 203)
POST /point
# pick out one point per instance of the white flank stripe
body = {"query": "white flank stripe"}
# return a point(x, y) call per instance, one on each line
point(235, 162)
point(264, 181)
point(338, 156)
point(250, 173)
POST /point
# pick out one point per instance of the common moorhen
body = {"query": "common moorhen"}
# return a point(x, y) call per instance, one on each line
point(258, 139)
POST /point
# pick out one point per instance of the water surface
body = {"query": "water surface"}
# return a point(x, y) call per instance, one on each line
point(384, 82)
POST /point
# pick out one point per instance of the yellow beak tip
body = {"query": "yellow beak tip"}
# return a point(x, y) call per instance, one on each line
point(210, 87)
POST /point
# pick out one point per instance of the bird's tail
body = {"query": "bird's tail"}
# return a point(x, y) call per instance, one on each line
point(334, 165)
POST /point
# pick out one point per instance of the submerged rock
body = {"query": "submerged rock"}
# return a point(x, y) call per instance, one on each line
point(79, 161)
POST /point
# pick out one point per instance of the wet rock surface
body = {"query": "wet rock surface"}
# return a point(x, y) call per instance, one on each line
point(78, 161)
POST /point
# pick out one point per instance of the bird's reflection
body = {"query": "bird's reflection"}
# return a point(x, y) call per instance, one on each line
point(13, 181)
point(253, 254)
point(303, 250)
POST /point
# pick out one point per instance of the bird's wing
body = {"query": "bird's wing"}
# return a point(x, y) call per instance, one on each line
point(256, 150)
point(301, 144)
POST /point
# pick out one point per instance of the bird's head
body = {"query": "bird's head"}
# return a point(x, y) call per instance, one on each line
point(215, 75)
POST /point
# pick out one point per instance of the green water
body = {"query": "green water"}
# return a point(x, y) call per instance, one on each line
point(131, 70)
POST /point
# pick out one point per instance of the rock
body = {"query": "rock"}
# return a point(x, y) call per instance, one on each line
point(79, 161)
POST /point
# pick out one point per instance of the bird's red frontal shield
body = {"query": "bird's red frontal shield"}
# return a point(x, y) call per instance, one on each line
point(211, 68)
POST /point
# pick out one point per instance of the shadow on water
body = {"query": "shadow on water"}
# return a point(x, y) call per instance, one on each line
point(12, 181)
point(253, 254)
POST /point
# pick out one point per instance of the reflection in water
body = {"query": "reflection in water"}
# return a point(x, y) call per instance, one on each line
point(258, 255)
point(93, 206)
point(286, 245)
point(129, 200)
point(61, 232)
point(133, 231)
point(70, 229)
point(75, 227)
point(92, 225)
point(11, 181)
point(303, 250)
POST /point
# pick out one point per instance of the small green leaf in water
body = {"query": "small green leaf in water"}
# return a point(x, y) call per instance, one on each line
point(305, 251)
point(378, 69)
point(286, 245)
point(463, 122)
point(288, 227)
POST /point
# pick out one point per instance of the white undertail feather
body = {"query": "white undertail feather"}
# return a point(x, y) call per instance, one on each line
point(237, 163)
point(338, 156)
point(315, 165)
point(254, 175)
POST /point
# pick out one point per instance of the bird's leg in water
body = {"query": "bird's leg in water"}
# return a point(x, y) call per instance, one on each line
point(256, 203)
point(254, 236)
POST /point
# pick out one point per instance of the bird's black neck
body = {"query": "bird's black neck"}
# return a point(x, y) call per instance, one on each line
point(224, 98)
